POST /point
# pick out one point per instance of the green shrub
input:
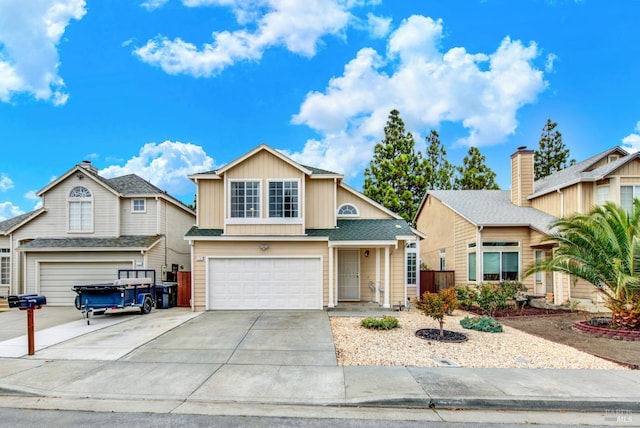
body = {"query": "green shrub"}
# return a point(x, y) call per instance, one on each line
point(466, 296)
point(494, 296)
point(385, 323)
point(487, 324)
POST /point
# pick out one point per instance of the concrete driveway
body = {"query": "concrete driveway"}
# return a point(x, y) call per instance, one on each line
point(175, 335)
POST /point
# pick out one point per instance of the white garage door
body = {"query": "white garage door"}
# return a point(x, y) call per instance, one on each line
point(265, 283)
point(56, 279)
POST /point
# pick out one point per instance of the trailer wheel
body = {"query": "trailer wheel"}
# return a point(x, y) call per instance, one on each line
point(147, 304)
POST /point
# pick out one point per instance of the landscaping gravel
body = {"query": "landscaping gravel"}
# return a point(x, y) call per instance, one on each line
point(358, 346)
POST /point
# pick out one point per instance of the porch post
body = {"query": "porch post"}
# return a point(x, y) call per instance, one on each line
point(336, 260)
point(331, 278)
point(387, 272)
point(378, 275)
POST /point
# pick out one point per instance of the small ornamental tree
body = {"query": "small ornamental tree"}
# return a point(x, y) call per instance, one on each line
point(437, 305)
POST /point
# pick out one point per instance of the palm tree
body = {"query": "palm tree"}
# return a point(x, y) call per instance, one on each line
point(603, 248)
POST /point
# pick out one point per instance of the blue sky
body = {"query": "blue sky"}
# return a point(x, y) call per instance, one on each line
point(165, 88)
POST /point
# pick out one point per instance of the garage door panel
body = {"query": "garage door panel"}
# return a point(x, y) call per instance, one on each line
point(58, 278)
point(264, 283)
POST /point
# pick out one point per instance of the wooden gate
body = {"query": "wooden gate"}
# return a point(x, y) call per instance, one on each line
point(184, 289)
point(433, 281)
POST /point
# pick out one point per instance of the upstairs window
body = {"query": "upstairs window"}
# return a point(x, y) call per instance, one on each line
point(348, 210)
point(80, 210)
point(283, 199)
point(245, 199)
point(138, 206)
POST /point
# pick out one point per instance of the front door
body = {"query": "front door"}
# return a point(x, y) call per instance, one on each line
point(349, 275)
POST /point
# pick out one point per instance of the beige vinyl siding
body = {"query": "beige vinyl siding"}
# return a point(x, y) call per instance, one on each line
point(264, 229)
point(397, 272)
point(571, 199)
point(320, 210)
point(105, 205)
point(263, 165)
point(549, 203)
point(204, 249)
point(588, 196)
point(155, 259)
point(365, 208)
point(437, 222)
point(178, 222)
point(139, 223)
point(210, 204)
point(464, 233)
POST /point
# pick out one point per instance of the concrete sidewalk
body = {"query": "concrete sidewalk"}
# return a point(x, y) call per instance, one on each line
point(176, 360)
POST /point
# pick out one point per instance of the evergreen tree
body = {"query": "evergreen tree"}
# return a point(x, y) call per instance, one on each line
point(395, 175)
point(474, 174)
point(438, 171)
point(552, 155)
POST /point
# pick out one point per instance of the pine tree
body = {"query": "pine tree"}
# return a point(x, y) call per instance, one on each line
point(552, 155)
point(395, 175)
point(474, 174)
point(438, 172)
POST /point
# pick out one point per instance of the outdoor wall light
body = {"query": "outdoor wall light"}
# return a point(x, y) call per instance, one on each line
point(264, 247)
point(366, 253)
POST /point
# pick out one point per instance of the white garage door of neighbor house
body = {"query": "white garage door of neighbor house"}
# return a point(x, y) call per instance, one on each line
point(265, 283)
point(56, 279)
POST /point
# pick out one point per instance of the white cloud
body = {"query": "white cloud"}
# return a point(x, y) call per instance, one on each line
point(165, 165)
point(378, 26)
point(5, 183)
point(297, 25)
point(427, 85)
point(30, 32)
point(8, 210)
point(631, 142)
point(153, 4)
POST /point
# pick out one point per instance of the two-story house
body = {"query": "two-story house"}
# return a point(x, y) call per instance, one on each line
point(493, 235)
point(274, 234)
point(87, 229)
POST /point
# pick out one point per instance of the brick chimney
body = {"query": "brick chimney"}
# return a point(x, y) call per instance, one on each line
point(89, 166)
point(522, 173)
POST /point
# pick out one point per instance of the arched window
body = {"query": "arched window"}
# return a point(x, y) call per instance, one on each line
point(348, 210)
point(80, 210)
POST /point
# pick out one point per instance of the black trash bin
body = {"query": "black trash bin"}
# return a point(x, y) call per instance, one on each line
point(166, 295)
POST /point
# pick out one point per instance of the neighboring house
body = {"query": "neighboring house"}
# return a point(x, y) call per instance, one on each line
point(493, 235)
point(274, 234)
point(87, 229)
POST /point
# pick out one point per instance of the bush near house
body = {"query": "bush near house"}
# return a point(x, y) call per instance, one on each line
point(385, 323)
point(486, 324)
point(494, 296)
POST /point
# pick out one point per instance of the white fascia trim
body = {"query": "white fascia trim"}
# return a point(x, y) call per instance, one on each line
point(81, 249)
point(372, 244)
point(258, 238)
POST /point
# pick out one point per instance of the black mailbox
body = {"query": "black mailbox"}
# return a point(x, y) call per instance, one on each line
point(25, 301)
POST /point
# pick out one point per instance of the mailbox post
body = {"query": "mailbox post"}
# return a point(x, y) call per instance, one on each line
point(29, 303)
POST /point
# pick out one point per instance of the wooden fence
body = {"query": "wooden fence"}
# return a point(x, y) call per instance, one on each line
point(436, 280)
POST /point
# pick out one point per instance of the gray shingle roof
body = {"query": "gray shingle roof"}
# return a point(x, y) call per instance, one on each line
point(493, 208)
point(347, 230)
point(131, 242)
point(195, 231)
point(131, 184)
point(318, 171)
point(8, 224)
point(581, 171)
point(365, 230)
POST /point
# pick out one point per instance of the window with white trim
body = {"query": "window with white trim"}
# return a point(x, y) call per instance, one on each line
point(283, 199)
point(80, 210)
point(443, 259)
point(5, 266)
point(411, 254)
point(627, 195)
point(539, 256)
point(348, 210)
point(499, 261)
point(138, 205)
point(602, 194)
point(245, 199)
